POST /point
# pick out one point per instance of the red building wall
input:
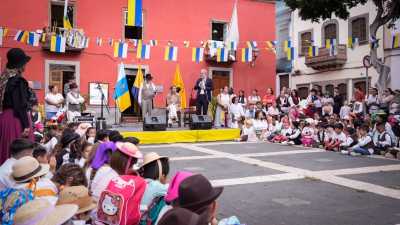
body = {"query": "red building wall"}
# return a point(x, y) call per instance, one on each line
point(175, 20)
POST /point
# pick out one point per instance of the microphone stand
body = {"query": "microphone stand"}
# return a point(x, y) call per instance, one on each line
point(101, 118)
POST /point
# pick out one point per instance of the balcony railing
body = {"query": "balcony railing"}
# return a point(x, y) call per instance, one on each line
point(327, 59)
point(75, 40)
point(210, 53)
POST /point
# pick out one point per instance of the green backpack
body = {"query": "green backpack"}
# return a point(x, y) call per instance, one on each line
point(150, 216)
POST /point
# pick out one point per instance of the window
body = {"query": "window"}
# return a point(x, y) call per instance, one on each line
point(329, 89)
point(305, 42)
point(57, 14)
point(218, 31)
point(343, 89)
point(329, 31)
point(303, 92)
point(359, 29)
point(132, 32)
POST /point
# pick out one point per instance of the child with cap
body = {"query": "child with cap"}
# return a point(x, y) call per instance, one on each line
point(71, 150)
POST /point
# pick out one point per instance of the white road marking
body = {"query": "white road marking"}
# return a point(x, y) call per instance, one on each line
point(360, 170)
point(327, 175)
point(256, 179)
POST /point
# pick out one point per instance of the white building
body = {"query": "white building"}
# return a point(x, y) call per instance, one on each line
point(326, 71)
point(392, 56)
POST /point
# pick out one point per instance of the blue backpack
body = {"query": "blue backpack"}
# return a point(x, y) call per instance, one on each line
point(150, 216)
point(10, 200)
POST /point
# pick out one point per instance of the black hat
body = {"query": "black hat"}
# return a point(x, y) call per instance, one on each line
point(196, 192)
point(181, 216)
point(16, 58)
point(148, 77)
point(68, 138)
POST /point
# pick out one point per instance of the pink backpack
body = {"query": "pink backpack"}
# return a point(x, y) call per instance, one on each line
point(119, 203)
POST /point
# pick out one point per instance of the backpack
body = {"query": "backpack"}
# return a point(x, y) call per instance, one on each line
point(10, 200)
point(150, 216)
point(119, 203)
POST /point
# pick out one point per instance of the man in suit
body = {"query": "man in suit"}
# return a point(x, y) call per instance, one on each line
point(204, 87)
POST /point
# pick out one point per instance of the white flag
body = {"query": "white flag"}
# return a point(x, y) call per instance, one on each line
point(233, 28)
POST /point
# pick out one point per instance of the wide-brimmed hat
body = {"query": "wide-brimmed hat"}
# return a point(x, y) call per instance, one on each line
point(196, 192)
point(173, 187)
point(68, 138)
point(77, 195)
point(27, 168)
point(129, 149)
point(16, 58)
point(41, 212)
point(151, 157)
point(181, 216)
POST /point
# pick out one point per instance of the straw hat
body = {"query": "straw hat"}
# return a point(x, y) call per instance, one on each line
point(129, 149)
point(151, 157)
point(77, 195)
point(41, 212)
point(27, 168)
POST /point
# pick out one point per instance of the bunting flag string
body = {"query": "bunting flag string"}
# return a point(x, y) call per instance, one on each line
point(352, 42)
point(33, 39)
point(251, 44)
point(247, 54)
point(197, 54)
point(171, 53)
point(287, 44)
point(57, 44)
point(290, 54)
point(222, 55)
point(330, 42)
point(143, 51)
point(396, 40)
point(120, 50)
point(21, 36)
point(312, 51)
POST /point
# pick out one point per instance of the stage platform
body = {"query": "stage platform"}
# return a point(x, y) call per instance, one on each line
point(182, 136)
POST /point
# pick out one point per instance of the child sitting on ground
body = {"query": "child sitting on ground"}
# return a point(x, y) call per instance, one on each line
point(364, 145)
point(351, 140)
point(285, 132)
point(294, 137)
point(248, 132)
point(337, 138)
point(307, 135)
point(382, 141)
point(270, 131)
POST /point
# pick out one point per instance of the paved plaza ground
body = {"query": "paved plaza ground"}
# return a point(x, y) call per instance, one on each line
point(269, 184)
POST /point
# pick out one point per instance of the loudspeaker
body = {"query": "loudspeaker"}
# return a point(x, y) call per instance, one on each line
point(200, 122)
point(154, 123)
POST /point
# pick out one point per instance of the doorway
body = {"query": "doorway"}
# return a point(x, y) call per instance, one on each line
point(221, 77)
point(58, 73)
point(131, 72)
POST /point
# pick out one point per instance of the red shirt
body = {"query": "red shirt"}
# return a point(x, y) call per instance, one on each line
point(359, 96)
point(268, 99)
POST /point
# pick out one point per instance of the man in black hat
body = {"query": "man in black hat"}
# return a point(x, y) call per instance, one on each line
point(146, 94)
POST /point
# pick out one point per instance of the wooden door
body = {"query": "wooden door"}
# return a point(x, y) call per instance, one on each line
point(220, 80)
point(56, 79)
point(283, 82)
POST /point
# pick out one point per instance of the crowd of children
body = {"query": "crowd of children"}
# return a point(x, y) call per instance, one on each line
point(75, 175)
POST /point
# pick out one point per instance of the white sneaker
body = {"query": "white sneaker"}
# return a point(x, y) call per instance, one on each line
point(290, 143)
point(355, 154)
point(344, 152)
point(284, 142)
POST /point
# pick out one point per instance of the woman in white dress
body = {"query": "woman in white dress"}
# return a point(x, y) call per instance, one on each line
point(174, 105)
point(223, 101)
point(237, 112)
point(74, 101)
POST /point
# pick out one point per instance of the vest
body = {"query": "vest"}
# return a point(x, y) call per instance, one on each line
point(147, 92)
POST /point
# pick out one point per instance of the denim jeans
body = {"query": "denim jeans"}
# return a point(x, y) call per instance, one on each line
point(361, 150)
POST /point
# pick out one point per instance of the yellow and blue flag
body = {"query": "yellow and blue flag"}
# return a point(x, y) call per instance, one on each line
point(197, 54)
point(287, 45)
point(121, 92)
point(396, 40)
point(352, 42)
point(66, 22)
point(171, 53)
point(247, 54)
point(153, 43)
point(120, 49)
point(330, 42)
point(312, 51)
point(222, 55)
point(143, 51)
point(135, 13)
point(21, 36)
point(137, 84)
point(233, 45)
point(178, 82)
point(57, 43)
point(251, 44)
point(33, 39)
point(290, 54)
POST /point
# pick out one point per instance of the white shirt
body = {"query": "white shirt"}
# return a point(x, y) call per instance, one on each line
point(50, 145)
point(260, 124)
point(5, 172)
point(54, 98)
point(273, 111)
point(236, 110)
point(363, 141)
point(344, 112)
point(341, 137)
point(73, 99)
point(250, 132)
point(254, 99)
point(100, 181)
point(224, 99)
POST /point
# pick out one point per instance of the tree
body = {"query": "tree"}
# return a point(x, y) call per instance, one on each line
point(388, 11)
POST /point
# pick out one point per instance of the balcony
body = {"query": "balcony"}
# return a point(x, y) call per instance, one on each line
point(210, 53)
point(76, 41)
point(326, 60)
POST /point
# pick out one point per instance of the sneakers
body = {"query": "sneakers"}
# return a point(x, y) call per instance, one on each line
point(344, 152)
point(355, 154)
point(284, 143)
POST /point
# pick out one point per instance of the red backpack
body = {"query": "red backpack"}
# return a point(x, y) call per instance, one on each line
point(119, 203)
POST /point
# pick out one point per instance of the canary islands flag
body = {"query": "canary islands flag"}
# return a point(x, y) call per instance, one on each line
point(247, 55)
point(396, 41)
point(178, 82)
point(143, 51)
point(171, 53)
point(66, 22)
point(135, 13)
point(137, 84)
point(120, 49)
point(222, 55)
point(21, 36)
point(287, 45)
point(121, 93)
point(33, 39)
point(290, 54)
point(197, 54)
point(312, 51)
point(57, 43)
point(330, 42)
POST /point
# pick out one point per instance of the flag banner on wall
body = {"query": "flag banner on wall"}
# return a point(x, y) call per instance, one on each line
point(121, 93)
point(222, 55)
point(330, 42)
point(137, 84)
point(57, 44)
point(290, 54)
point(332, 50)
point(186, 44)
point(312, 51)
point(21, 36)
point(111, 42)
point(352, 42)
point(287, 44)
point(396, 40)
point(153, 43)
point(99, 41)
point(197, 54)
point(251, 44)
point(143, 51)
point(43, 38)
point(135, 13)
point(171, 53)
point(271, 44)
point(120, 50)
point(247, 54)
point(33, 39)
point(233, 45)
point(5, 31)
point(178, 82)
